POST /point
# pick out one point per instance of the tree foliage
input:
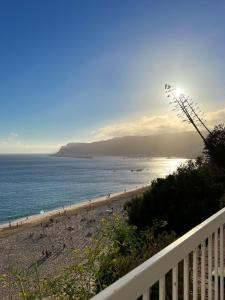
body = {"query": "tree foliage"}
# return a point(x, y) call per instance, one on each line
point(215, 146)
point(183, 199)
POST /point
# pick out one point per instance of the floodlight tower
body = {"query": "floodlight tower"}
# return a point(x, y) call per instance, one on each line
point(188, 110)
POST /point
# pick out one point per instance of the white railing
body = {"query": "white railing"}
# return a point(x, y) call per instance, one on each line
point(192, 267)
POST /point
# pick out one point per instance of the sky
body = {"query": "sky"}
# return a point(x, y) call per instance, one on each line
point(81, 70)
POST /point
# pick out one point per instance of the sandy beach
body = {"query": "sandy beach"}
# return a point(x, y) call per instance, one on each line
point(57, 232)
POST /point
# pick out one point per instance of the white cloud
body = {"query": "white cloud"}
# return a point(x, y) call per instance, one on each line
point(144, 125)
point(14, 134)
point(12, 138)
point(153, 125)
point(216, 117)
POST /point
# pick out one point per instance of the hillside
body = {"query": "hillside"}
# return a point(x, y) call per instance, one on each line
point(186, 144)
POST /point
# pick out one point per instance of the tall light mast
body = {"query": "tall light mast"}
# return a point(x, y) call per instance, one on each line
point(186, 109)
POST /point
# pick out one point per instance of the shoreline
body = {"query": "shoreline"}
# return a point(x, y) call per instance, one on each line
point(49, 240)
point(37, 218)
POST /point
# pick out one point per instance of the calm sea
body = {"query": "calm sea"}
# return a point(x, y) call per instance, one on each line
point(31, 183)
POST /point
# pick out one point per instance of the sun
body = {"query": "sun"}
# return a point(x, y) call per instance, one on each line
point(178, 91)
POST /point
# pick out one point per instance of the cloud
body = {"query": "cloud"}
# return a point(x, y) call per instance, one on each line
point(12, 138)
point(217, 117)
point(153, 125)
point(14, 134)
point(145, 125)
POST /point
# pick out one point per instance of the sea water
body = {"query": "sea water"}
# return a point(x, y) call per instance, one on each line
point(31, 184)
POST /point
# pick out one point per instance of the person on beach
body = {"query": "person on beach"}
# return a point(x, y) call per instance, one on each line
point(47, 253)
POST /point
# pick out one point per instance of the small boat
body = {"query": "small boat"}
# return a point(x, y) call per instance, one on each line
point(136, 170)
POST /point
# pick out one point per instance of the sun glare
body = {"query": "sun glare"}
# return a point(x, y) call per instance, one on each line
point(178, 92)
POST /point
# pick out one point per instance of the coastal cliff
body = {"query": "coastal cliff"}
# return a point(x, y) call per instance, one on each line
point(185, 144)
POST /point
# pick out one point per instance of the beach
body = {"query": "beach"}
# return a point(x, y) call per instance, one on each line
point(48, 239)
point(41, 217)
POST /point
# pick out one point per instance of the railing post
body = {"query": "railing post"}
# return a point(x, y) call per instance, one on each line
point(221, 264)
point(210, 267)
point(146, 295)
point(195, 278)
point(186, 278)
point(203, 271)
point(175, 282)
point(162, 288)
point(216, 263)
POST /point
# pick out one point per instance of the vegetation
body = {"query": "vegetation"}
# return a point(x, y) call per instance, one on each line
point(184, 199)
point(116, 249)
point(196, 189)
point(215, 146)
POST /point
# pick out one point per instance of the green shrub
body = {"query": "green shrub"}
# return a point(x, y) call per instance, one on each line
point(215, 146)
point(184, 198)
point(129, 248)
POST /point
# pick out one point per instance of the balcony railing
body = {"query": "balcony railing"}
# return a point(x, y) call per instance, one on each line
point(192, 267)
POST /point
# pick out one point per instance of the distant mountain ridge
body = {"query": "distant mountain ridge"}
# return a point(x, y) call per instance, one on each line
point(186, 144)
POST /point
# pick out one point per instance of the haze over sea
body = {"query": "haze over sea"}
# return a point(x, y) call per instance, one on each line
point(31, 183)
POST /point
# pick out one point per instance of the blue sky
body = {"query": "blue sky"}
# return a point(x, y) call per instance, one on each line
point(80, 70)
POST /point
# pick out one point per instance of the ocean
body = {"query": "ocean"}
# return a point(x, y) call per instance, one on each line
point(30, 184)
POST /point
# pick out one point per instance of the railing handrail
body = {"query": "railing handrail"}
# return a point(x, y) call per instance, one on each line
point(145, 275)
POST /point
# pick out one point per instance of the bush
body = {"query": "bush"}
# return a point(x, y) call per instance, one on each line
point(215, 146)
point(183, 199)
point(130, 247)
